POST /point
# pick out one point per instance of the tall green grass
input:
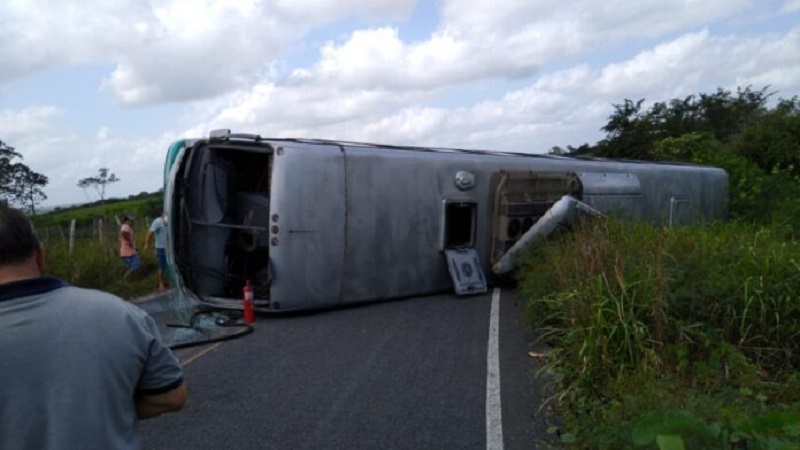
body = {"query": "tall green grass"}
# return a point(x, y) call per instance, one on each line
point(96, 264)
point(683, 335)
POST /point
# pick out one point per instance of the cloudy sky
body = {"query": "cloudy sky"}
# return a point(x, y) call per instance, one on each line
point(111, 83)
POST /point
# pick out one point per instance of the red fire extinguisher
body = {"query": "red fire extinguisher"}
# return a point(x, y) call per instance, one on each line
point(249, 311)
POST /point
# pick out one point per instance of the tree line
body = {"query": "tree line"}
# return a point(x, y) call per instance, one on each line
point(755, 139)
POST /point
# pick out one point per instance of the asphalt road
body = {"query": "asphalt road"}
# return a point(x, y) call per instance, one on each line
point(408, 374)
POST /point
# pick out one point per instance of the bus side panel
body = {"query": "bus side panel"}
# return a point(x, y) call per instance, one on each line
point(396, 209)
point(393, 225)
point(307, 223)
point(681, 194)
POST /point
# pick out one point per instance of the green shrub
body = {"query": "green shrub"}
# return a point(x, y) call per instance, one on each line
point(643, 321)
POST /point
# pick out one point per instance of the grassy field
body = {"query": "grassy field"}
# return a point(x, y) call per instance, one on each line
point(97, 265)
point(670, 338)
point(94, 262)
point(141, 206)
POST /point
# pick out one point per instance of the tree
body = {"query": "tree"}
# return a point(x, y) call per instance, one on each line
point(19, 185)
point(757, 144)
point(27, 187)
point(632, 132)
point(773, 142)
point(7, 154)
point(99, 183)
point(629, 132)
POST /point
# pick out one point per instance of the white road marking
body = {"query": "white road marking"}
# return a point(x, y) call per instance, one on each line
point(494, 415)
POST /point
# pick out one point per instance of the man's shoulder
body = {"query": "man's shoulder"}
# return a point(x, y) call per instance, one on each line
point(97, 300)
point(89, 293)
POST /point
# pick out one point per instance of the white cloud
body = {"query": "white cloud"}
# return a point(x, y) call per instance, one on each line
point(29, 121)
point(102, 134)
point(702, 61)
point(65, 157)
point(774, 62)
point(791, 6)
point(479, 40)
point(167, 50)
point(275, 110)
point(192, 52)
point(136, 161)
point(542, 30)
point(564, 107)
point(653, 68)
point(379, 59)
point(611, 20)
point(179, 50)
point(321, 11)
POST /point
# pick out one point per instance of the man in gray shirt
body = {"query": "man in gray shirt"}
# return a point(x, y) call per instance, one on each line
point(78, 367)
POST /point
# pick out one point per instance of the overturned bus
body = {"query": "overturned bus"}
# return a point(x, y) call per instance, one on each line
point(319, 223)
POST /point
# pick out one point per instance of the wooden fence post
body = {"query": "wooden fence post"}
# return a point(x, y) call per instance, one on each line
point(71, 236)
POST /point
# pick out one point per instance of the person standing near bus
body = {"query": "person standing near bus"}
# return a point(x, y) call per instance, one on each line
point(158, 229)
point(127, 247)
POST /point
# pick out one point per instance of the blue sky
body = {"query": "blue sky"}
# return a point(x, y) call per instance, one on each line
point(94, 83)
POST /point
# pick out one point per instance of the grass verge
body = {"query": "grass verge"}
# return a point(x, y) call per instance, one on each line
point(670, 338)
